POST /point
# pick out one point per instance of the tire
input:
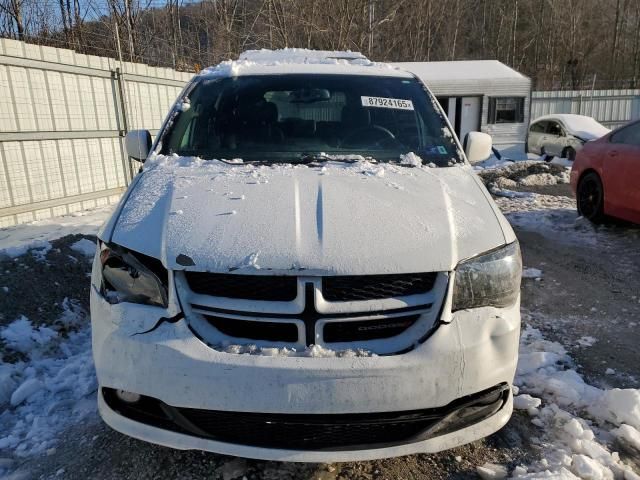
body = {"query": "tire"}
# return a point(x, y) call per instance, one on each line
point(569, 153)
point(590, 198)
point(545, 156)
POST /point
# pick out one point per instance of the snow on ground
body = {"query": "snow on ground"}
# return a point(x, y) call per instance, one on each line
point(534, 273)
point(85, 246)
point(15, 241)
point(556, 217)
point(51, 386)
point(581, 426)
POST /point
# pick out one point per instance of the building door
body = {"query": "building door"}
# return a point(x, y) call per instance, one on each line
point(448, 104)
point(469, 118)
point(463, 113)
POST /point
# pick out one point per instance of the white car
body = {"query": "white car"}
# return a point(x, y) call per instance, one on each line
point(306, 269)
point(562, 134)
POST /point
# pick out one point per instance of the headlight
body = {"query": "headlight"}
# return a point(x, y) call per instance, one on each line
point(132, 277)
point(491, 279)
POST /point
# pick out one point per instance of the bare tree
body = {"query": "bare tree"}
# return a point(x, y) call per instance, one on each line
point(13, 9)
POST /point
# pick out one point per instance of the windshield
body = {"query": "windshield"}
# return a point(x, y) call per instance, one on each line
point(289, 117)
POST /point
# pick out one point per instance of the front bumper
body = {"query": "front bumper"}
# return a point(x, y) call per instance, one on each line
point(476, 351)
point(183, 441)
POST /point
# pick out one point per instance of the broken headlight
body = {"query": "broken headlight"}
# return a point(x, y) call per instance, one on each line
point(488, 280)
point(132, 277)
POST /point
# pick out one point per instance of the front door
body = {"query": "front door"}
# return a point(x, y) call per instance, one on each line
point(469, 116)
point(463, 114)
point(553, 140)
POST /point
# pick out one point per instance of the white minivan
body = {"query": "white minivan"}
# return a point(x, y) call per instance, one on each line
point(306, 269)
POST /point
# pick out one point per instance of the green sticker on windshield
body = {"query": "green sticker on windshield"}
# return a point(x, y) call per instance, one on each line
point(442, 150)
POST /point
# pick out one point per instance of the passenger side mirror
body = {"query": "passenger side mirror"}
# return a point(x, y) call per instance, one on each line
point(138, 144)
point(477, 146)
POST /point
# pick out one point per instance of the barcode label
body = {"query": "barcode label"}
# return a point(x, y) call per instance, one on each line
point(382, 102)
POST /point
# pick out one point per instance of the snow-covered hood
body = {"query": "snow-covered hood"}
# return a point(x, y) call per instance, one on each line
point(358, 218)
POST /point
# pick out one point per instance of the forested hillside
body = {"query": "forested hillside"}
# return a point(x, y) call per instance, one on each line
point(558, 43)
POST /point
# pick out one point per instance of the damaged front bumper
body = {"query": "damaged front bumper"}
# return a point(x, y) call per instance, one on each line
point(175, 372)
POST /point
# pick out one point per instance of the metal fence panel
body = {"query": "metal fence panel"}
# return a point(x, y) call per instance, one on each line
point(62, 120)
point(610, 107)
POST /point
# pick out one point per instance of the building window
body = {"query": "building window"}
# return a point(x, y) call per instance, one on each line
point(506, 110)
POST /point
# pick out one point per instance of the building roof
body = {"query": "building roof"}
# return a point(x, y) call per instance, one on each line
point(461, 70)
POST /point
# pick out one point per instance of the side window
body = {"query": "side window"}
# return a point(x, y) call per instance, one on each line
point(506, 110)
point(629, 135)
point(553, 128)
point(538, 127)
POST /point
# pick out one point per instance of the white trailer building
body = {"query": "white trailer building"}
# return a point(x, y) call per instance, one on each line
point(480, 95)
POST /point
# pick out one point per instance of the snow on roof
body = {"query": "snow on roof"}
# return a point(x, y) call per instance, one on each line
point(290, 54)
point(300, 60)
point(580, 125)
point(461, 70)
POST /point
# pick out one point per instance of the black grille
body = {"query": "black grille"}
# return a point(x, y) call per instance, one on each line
point(273, 331)
point(310, 432)
point(367, 329)
point(329, 432)
point(249, 287)
point(372, 287)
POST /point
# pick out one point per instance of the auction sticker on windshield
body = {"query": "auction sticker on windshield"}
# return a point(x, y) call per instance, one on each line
point(383, 102)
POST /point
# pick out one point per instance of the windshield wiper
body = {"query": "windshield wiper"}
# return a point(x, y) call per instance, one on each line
point(307, 158)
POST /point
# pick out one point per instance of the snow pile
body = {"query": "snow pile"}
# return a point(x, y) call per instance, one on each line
point(85, 246)
point(539, 179)
point(629, 437)
point(557, 398)
point(313, 351)
point(255, 61)
point(410, 159)
point(22, 337)
point(491, 471)
point(529, 173)
point(531, 273)
point(54, 385)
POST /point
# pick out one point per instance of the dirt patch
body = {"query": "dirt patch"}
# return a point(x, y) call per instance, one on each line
point(588, 291)
point(37, 284)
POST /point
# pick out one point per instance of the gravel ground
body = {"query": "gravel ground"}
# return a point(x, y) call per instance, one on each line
point(588, 288)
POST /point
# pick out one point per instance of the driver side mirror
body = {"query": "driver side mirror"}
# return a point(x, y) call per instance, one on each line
point(477, 146)
point(138, 144)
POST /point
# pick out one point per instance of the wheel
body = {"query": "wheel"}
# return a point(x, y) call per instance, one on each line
point(569, 153)
point(545, 156)
point(590, 198)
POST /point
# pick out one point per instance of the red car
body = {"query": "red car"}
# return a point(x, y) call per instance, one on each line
point(605, 176)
